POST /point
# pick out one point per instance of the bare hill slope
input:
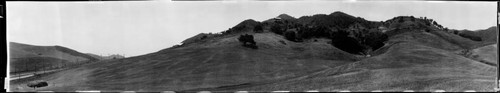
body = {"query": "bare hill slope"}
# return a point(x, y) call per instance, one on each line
point(25, 57)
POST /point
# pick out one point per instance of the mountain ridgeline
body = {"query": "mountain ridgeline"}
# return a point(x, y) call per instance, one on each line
point(346, 32)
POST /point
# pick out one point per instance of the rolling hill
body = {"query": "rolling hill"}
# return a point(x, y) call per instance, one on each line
point(24, 57)
point(486, 35)
point(420, 58)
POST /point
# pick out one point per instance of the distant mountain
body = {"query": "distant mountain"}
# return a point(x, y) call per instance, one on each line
point(320, 52)
point(246, 24)
point(114, 56)
point(95, 56)
point(486, 35)
point(43, 56)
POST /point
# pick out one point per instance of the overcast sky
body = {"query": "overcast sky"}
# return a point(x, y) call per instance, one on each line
point(137, 28)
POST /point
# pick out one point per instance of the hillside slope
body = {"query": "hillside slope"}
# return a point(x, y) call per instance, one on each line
point(406, 63)
point(487, 54)
point(25, 57)
point(485, 35)
point(405, 66)
point(223, 65)
point(19, 50)
point(220, 62)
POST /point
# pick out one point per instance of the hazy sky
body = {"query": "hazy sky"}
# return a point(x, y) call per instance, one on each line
point(137, 28)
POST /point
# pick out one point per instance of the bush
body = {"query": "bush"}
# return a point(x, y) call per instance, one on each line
point(247, 41)
point(427, 30)
point(258, 29)
point(277, 29)
point(466, 53)
point(203, 37)
point(291, 35)
point(400, 20)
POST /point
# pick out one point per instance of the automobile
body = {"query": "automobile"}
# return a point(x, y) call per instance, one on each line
point(37, 84)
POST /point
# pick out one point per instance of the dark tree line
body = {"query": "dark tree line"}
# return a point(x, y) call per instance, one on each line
point(342, 41)
point(471, 37)
point(352, 41)
point(359, 43)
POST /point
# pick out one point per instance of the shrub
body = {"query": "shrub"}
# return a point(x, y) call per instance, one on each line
point(282, 42)
point(427, 30)
point(291, 35)
point(276, 29)
point(203, 37)
point(258, 29)
point(400, 20)
point(247, 41)
point(466, 53)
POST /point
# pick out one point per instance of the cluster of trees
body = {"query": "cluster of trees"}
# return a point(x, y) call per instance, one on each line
point(335, 26)
point(248, 41)
point(258, 28)
point(342, 41)
point(359, 41)
point(336, 19)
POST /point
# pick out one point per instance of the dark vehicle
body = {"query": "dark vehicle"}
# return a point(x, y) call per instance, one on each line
point(38, 84)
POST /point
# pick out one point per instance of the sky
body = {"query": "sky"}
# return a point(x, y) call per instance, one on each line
point(135, 28)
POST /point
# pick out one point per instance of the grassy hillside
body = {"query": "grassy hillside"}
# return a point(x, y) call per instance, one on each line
point(405, 66)
point(19, 50)
point(485, 35)
point(24, 57)
point(218, 63)
point(36, 64)
point(488, 54)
